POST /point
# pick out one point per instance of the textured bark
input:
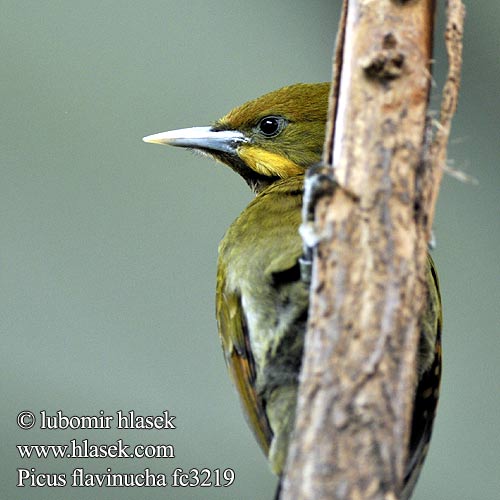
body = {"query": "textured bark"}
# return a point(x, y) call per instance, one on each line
point(359, 370)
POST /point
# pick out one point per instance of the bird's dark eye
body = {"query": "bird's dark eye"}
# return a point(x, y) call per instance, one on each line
point(271, 126)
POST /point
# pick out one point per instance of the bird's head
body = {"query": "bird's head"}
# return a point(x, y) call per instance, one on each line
point(272, 137)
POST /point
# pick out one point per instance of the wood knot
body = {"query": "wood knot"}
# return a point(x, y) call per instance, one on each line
point(386, 63)
point(389, 41)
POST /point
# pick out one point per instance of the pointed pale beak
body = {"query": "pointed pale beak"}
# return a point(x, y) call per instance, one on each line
point(200, 138)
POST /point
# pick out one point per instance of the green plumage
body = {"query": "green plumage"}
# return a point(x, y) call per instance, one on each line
point(258, 273)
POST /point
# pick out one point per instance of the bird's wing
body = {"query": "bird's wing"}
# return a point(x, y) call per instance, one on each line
point(235, 343)
point(427, 391)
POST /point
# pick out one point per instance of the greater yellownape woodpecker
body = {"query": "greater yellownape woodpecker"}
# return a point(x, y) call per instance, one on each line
point(261, 301)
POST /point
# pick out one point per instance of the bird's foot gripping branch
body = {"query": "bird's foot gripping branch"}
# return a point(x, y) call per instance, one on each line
point(318, 182)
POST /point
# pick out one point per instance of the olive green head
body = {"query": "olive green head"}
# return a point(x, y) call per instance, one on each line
point(275, 136)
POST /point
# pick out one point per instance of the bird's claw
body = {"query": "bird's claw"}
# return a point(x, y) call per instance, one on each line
point(318, 182)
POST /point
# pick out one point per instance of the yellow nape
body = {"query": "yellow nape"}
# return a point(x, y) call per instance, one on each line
point(267, 163)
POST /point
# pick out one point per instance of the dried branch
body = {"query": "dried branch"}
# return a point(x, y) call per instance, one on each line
point(359, 369)
point(436, 154)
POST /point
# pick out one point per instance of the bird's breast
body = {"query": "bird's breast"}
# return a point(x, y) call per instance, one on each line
point(259, 257)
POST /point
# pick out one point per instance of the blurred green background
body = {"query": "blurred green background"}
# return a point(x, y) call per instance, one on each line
point(109, 245)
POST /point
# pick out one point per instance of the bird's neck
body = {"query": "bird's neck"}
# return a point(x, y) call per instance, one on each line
point(289, 186)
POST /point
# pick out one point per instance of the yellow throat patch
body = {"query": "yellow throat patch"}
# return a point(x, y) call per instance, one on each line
point(267, 163)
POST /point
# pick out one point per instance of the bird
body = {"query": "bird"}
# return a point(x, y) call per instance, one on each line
point(261, 299)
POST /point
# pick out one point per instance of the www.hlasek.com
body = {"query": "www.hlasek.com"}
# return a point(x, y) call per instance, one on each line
point(79, 477)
